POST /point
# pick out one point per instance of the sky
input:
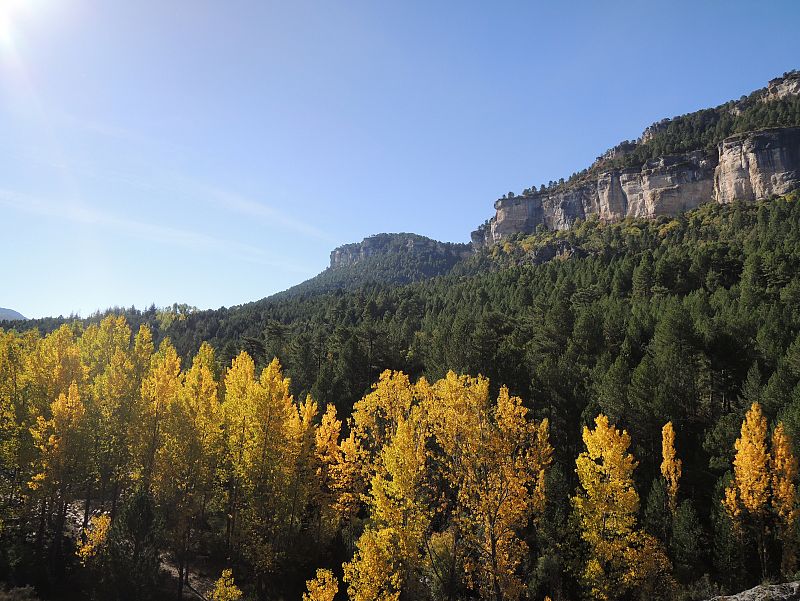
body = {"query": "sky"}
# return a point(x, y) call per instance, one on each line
point(213, 153)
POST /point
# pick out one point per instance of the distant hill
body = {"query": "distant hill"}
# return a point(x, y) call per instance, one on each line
point(11, 315)
point(383, 259)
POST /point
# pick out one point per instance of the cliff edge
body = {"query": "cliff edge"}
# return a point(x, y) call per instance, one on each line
point(627, 181)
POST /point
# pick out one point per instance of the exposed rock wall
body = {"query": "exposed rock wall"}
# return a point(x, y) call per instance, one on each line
point(758, 165)
point(745, 167)
point(781, 87)
point(384, 244)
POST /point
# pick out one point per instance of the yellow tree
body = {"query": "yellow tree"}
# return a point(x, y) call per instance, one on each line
point(302, 484)
point(322, 588)
point(783, 469)
point(225, 588)
point(60, 441)
point(349, 479)
point(259, 448)
point(53, 366)
point(670, 465)
point(188, 456)
point(114, 414)
point(606, 507)
point(496, 460)
point(375, 417)
point(16, 451)
point(746, 499)
point(389, 554)
point(160, 389)
point(328, 455)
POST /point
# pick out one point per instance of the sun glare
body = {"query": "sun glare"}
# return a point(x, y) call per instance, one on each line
point(11, 11)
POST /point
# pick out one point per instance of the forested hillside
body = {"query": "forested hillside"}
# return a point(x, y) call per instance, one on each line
point(632, 433)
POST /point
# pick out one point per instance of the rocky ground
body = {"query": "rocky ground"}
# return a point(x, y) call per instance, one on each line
point(766, 592)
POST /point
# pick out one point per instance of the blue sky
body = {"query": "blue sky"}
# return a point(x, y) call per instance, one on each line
point(215, 152)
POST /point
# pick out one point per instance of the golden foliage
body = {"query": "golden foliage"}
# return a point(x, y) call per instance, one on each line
point(94, 537)
point(225, 589)
point(670, 465)
point(374, 573)
point(783, 468)
point(322, 588)
point(750, 467)
point(606, 507)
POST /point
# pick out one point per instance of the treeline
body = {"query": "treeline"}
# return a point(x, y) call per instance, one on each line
point(688, 320)
point(428, 491)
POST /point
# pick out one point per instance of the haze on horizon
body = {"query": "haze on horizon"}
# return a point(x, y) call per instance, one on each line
point(214, 153)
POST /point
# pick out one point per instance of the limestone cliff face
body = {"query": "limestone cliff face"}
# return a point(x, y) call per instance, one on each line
point(749, 166)
point(781, 87)
point(758, 165)
point(385, 244)
point(662, 186)
point(745, 167)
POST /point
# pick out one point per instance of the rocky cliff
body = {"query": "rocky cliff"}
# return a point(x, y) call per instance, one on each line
point(758, 165)
point(746, 166)
point(395, 244)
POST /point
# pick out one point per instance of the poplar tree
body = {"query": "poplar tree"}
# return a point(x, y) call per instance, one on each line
point(323, 587)
point(783, 469)
point(670, 465)
point(746, 499)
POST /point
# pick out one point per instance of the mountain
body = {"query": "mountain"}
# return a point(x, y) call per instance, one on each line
point(383, 258)
point(10, 315)
point(747, 149)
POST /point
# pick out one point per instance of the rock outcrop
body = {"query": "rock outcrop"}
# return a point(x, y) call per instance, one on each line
point(746, 167)
point(663, 186)
point(789, 591)
point(385, 244)
point(749, 166)
point(781, 87)
point(758, 165)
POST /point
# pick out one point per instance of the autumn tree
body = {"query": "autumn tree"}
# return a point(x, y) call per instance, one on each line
point(389, 556)
point(746, 499)
point(160, 389)
point(225, 588)
point(259, 462)
point(621, 558)
point(670, 465)
point(783, 472)
point(61, 444)
point(188, 456)
point(495, 459)
point(322, 588)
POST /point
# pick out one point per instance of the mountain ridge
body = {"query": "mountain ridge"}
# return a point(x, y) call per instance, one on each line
point(741, 150)
point(11, 315)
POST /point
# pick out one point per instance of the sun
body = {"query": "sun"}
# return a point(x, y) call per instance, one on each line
point(11, 11)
